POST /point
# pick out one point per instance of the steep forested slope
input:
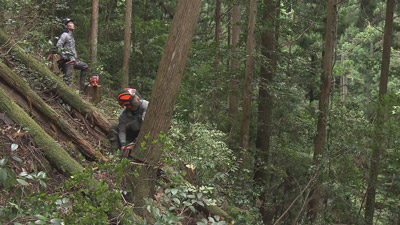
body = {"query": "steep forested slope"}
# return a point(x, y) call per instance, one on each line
point(345, 171)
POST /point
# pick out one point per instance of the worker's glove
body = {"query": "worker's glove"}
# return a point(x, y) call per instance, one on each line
point(124, 152)
point(127, 149)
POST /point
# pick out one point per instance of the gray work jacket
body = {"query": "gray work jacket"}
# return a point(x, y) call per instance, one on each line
point(66, 46)
point(131, 120)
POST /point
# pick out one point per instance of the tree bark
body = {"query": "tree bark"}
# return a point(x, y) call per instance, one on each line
point(53, 14)
point(23, 88)
point(163, 98)
point(235, 64)
point(217, 31)
point(265, 105)
point(248, 80)
point(382, 113)
point(94, 28)
point(343, 83)
point(127, 44)
point(110, 8)
point(58, 86)
point(321, 137)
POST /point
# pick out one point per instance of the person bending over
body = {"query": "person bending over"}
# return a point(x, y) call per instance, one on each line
point(130, 119)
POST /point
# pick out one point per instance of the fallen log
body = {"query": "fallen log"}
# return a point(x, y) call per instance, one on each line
point(23, 89)
point(56, 84)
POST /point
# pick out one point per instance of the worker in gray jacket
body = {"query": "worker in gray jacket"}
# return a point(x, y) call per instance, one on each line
point(69, 58)
point(130, 119)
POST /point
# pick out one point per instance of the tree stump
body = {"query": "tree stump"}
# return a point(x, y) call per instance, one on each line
point(94, 93)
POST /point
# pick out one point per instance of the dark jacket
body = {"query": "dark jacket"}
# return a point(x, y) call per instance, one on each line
point(131, 120)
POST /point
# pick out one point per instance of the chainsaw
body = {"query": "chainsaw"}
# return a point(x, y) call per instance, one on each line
point(94, 80)
point(126, 151)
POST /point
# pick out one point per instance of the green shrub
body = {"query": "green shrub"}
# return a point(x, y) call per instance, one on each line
point(203, 147)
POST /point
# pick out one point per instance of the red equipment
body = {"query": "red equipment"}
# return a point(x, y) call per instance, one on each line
point(94, 80)
point(126, 151)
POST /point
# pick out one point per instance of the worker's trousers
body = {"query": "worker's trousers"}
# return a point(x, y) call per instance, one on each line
point(68, 70)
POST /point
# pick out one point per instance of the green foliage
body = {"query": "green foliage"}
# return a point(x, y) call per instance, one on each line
point(21, 203)
point(203, 147)
point(150, 37)
point(83, 199)
point(215, 220)
point(92, 201)
point(178, 200)
point(241, 216)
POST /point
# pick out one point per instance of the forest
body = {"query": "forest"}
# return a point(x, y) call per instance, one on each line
point(260, 112)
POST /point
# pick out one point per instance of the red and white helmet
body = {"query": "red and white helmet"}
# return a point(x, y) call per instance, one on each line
point(126, 96)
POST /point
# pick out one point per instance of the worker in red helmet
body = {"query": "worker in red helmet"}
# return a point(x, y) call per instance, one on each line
point(69, 58)
point(130, 119)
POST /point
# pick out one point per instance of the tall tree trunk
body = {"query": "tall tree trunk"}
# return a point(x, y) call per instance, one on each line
point(397, 219)
point(228, 37)
point(248, 80)
point(265, 105)
point(94, 28)
point(315, 65)
point(321, 137)
point(379, 144)
point(217, 31)
point(127, 44)
point(53, 14)
point(235, 64)
point(163, 98)
point(110, 7)
point(343, 83)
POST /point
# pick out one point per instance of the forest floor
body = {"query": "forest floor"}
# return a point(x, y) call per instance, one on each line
point(29, 159)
